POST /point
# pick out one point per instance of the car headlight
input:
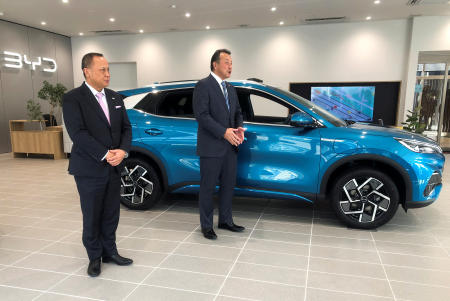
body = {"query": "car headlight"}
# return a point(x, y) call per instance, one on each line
point(420, 146)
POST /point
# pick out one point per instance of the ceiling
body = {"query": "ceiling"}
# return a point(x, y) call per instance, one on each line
point(91, 17)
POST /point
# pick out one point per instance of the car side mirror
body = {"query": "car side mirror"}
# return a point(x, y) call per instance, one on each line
point(301, 119)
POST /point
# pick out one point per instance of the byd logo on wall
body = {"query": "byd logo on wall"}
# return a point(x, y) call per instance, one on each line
point(16, 60)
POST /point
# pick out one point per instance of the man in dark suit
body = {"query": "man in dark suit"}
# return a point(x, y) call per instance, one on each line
point(98, 125)
point(219, 117)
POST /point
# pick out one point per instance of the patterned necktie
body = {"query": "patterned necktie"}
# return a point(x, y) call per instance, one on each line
point(103, 105)
point(225, 93)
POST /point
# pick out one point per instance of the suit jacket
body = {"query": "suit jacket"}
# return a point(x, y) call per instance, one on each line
point(213, 116)
point(90, 131)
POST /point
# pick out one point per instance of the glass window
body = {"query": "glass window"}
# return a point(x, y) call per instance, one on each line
point(263, 106)
point(266, 108)
point(176, 104)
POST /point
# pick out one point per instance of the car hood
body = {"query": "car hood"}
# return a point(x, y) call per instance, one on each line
point(388, 132)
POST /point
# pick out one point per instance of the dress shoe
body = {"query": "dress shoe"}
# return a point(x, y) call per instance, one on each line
point(117, 259)
point(233, 227)
point(94, 268)
point(209, 233)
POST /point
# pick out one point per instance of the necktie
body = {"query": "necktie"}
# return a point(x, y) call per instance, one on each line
point(103, 105)
point(225, 93)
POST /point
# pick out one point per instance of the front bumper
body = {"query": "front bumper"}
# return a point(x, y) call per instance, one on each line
point(426, 188)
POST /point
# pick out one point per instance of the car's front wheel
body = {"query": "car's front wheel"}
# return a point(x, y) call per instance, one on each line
point(365, 198)
point(140, 185)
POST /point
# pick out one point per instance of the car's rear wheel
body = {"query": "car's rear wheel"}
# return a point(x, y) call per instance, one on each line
point(140, 185)
point(365, 198)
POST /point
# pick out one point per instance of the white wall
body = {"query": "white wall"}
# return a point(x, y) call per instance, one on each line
point(428, 34)
point(345, 52)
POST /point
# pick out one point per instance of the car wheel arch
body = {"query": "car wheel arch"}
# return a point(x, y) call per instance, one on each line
point(401, 177)
point(152, 159)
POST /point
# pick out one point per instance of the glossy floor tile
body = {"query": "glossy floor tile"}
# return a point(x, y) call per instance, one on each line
point(289, 250)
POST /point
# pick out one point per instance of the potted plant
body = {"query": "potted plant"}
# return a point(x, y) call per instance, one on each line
point(53, 94)
point(34, 111)
point(412, 123)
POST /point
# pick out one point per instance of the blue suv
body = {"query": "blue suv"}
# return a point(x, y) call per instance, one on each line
point(293, 150)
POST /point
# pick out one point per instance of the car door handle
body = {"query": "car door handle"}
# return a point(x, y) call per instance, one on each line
point(153, 132)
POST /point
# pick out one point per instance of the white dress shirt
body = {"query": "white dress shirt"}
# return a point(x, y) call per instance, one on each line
point(219, 80)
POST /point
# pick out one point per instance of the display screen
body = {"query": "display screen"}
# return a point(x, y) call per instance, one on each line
point(346, 102)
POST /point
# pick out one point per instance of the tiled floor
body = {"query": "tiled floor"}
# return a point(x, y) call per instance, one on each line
point(290, 251)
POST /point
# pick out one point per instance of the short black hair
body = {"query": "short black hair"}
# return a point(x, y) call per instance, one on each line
point(86, 61)
point(216, 56)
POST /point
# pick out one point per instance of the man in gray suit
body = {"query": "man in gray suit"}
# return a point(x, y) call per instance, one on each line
point(220, 132)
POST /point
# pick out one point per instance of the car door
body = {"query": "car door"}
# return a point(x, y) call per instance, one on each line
point(275, 155)
point(179, 128)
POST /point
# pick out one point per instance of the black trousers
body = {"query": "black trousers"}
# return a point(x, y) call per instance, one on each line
point(100, 205)
point(213, 171)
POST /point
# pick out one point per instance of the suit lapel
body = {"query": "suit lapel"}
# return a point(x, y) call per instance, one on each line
point(219, 92)
point(92, 101)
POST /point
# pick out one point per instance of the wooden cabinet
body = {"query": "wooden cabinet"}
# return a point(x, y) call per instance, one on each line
point(48, 141)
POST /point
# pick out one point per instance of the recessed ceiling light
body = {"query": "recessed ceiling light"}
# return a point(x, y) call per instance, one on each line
point(173, 6)
point(43, 23)
point(377, 2)
point(1, 13)
point(368, 18)
point(65, 1)
point(112, 19)
point(187, 15)
point(208, 27)
point(273, 8)
point(81, 34)
point(281, 23)
point(141, 31)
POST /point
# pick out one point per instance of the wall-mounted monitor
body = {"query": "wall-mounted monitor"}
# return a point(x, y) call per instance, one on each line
point(357, 101)
point(346, 102)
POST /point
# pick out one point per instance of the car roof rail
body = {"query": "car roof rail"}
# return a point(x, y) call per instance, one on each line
point(179, 81)
point(255, 80)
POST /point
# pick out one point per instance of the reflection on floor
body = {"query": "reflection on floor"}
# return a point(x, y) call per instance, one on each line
point(290, 251)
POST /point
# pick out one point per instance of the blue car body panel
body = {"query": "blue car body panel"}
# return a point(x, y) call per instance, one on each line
point(281, 161)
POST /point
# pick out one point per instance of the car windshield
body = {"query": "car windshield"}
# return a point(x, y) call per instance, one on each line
point(314, 108)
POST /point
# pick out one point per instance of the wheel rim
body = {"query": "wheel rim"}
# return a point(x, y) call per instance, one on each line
point(135, 187)
point(364, 199)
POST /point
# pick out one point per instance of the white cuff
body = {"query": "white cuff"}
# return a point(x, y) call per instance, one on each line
point(104, 157)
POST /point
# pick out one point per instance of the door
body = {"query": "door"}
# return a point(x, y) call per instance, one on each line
point(276, 156)
point(431, 96)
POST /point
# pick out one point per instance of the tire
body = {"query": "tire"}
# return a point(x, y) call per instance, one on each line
point(365, 198)
point(140, 185)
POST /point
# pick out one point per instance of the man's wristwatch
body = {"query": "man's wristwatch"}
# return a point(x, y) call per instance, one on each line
point(126, 155)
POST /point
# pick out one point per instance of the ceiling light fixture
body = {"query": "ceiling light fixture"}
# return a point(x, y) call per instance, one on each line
point(376, 2)
point(81, 34)
point(187, 15)
point(112, 19)
point(368, 18)
point(281, 23)
point(141, 31)
point(208, 27)
point(65, 1)
point(173, 6)
point(43, 23)
point(273, 8)
point(1, 13)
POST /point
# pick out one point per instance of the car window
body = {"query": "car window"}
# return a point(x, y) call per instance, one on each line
point(313, 107)
point(269, 109)
point(176, 104)
point(264, 107)
point(147, 103)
